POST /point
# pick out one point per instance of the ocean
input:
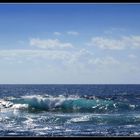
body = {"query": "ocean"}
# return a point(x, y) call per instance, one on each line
point(69, 110)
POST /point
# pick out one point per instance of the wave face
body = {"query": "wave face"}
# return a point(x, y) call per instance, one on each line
point(68, 104)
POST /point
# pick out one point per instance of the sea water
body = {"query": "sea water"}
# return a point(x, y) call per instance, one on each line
point(69, 110)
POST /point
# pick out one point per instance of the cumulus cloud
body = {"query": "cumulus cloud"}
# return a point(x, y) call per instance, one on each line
point(72, 33)
point(116, 44)
point(50, 44)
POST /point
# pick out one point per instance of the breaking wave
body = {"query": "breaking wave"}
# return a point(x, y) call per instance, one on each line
point(66, 104)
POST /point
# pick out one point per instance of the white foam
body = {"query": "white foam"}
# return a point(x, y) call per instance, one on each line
point(5, 104)
point(129, 126)
point(81, 119)
point(136, 133)
point(20, 106)
point(95, 106)
point(132, 106)
point(30, 123)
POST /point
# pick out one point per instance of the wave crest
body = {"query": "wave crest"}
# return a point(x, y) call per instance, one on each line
point(66, 104)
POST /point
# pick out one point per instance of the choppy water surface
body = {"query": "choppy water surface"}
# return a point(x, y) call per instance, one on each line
point(69, 110)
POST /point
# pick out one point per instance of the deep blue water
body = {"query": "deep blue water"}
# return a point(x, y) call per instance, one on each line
point(69, 110)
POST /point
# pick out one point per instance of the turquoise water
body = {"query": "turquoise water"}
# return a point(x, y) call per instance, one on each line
point(69, 110)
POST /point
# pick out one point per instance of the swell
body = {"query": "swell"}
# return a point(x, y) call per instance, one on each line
point(68, 104)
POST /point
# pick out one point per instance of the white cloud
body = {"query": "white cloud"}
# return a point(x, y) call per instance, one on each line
point(33, 54)
point(66, 57)
point(59, 66)
point(57, 33)
point(116, 44)
point(81, 61)
point(107, 43)
point(81, 56)
point(72, 33)
point(132, 41)
point(78, 58)
point(104, 61)
point(50, 43)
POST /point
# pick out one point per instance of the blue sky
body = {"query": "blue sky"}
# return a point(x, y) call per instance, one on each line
point(69, 43)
